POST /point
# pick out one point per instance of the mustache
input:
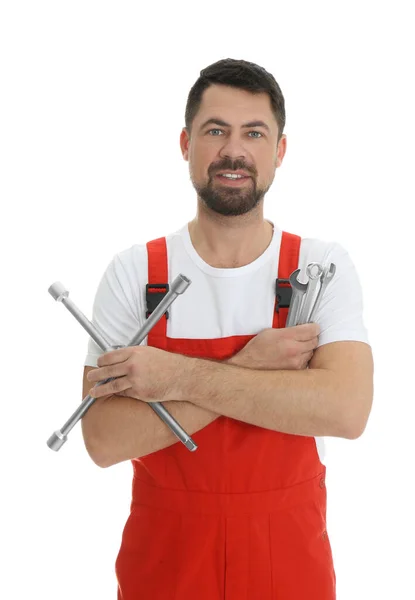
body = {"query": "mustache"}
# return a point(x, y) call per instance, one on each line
point(230, 168)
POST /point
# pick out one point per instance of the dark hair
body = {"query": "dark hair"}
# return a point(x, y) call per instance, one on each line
point(240, 74)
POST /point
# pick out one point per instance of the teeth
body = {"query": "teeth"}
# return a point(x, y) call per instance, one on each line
point(231, 176)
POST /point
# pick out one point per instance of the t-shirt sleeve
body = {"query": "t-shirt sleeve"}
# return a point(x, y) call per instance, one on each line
point(340, 314)
point(114, 311)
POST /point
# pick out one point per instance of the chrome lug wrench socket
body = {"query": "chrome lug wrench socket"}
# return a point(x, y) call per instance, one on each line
point(59, 293)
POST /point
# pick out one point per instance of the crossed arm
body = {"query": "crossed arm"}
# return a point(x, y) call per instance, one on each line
point(332, 398)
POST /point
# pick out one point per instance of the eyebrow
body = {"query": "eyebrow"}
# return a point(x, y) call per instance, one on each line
point(215, 121)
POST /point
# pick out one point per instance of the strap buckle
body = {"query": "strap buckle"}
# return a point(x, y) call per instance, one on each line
point(283, 292)
point(154, 297)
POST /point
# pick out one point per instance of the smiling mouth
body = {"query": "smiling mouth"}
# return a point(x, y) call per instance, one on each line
point(233, 181)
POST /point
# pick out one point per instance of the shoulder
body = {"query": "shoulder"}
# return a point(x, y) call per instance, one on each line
point(137, 254)
point(130, 265)
point(320, 249)
point(324, 252)
point(130, 257)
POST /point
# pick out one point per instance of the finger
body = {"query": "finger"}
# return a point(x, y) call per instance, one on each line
point(112, 387)
point(306, 358)
point(116, 370)
point(309, 345)
point(306, 332)
point(115, 356)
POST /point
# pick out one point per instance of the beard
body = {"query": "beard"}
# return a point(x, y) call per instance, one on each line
point(230, 201)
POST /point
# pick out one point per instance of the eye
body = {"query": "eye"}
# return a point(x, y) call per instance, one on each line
point(257, 132)
point(248, 132)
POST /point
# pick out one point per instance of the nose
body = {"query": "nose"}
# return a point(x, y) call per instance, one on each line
point(233, 148)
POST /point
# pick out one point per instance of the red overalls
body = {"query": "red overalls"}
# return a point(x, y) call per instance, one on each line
point(241, 518)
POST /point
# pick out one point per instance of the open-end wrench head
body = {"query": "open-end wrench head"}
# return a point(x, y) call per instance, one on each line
point(302, 287)
point(180, 284)
point(58, 291)
point(329, 272)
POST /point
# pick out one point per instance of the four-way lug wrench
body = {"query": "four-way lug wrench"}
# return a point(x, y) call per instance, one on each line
point(59, 293)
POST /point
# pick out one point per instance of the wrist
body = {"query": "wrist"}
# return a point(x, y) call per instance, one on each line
point(231, 361)
point(180, 388)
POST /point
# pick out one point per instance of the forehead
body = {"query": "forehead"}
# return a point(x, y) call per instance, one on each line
point(234, 105)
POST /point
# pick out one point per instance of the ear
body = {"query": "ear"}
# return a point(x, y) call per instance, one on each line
point(281, 149)
point(184, 143)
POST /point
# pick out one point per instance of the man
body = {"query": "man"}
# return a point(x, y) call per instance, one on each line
point(244, 516)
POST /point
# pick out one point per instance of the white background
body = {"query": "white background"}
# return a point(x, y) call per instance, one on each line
point(92, 100)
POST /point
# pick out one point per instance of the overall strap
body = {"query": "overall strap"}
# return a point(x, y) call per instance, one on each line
point(158, 286)
point(289, 258)
point(156, 289)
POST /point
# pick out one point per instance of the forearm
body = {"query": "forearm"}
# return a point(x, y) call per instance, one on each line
point(300, 402)
point(118, 428)
point(126, 428)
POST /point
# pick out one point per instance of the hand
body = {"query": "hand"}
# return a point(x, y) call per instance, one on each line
point(288, 348)
point(143, 372)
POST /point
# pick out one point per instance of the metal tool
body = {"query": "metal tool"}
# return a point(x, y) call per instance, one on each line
point(326, 277)
point(59, 293)
point(301, 308)
point(298, 291)
point(314, 271)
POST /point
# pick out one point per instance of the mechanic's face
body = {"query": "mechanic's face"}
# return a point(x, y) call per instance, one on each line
point(227, 144)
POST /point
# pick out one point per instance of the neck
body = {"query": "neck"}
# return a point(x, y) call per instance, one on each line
point(230, 242)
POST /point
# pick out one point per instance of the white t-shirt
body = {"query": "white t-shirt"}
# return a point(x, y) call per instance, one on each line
point(223, 302)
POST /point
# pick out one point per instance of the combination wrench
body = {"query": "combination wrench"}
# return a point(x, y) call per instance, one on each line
point(298, 291)
point(301, 309)
point(59, 293)
point(314, 272)
point(326, 277)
